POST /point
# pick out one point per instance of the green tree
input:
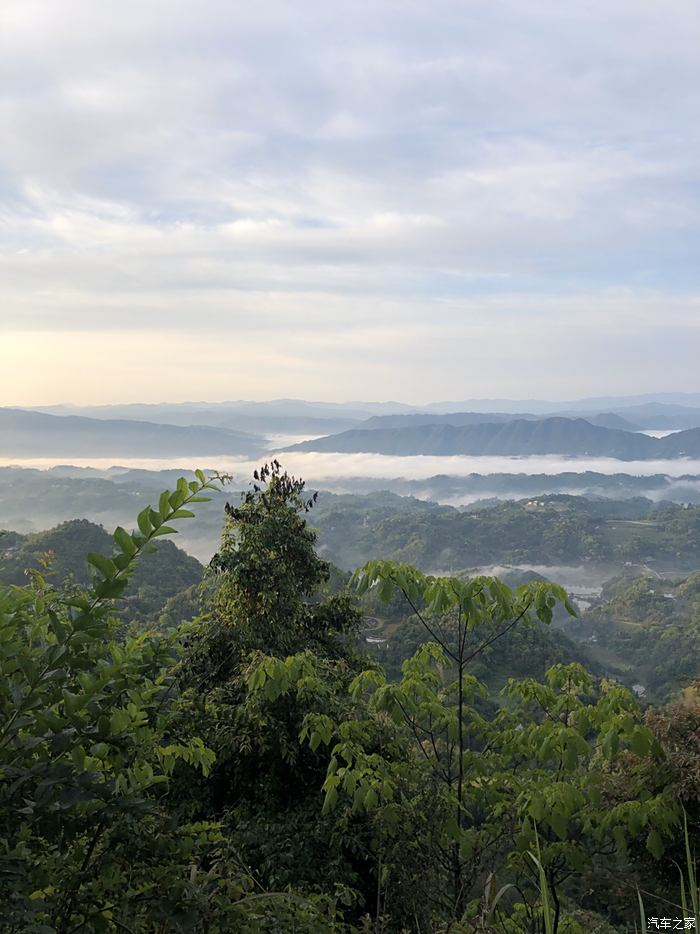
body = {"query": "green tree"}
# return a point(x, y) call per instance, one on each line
point(270, 598)
point(85, 751)
point(93, 834)
point(270, 579)
point(253, 771)
point(500, 787)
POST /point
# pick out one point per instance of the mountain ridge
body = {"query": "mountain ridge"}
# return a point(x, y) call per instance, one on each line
point(24, 433)
point(462, 419)
point(557, 435)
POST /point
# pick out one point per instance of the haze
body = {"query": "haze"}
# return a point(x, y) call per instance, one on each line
point(321, 467)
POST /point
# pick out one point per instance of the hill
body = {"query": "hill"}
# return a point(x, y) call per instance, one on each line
point(35, 434)
point(350, 524)
point(293, 416)
point(223, 415)
point(611, 420)
point(60, 554)
point(553, 530)
point(457, 419)
point(664, 417)
point(646, 631)
point(567, 436)
point(460, 419)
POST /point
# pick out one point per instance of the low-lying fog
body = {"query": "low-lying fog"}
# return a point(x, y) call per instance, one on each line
point(319, 467)
point(653, 432)
point(582, 579)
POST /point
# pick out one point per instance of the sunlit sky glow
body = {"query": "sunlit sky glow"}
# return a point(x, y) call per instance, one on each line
point(414, 200)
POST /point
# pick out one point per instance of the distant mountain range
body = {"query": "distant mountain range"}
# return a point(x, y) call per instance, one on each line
point(566, 436)
point(663, 411)
point(661, 416)
point(200, 429)
point(587, 405)
point(35, 434)
point(215, 413)
point(265, 420)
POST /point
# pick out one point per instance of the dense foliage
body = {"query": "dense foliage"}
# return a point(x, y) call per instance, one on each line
point(649, 629)
point(86, 751)
point(549, 529)
point(254, 770)
point(60, 555)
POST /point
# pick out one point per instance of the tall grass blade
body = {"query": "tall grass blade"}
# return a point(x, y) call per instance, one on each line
point(547, 912)
point(684, 897)
point(642, 913)
point(692, 880)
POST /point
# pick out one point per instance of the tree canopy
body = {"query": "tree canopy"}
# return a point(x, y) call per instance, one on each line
point(255, 770)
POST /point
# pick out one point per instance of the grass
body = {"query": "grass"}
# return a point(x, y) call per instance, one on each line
point(547, 910)
point(690, 893)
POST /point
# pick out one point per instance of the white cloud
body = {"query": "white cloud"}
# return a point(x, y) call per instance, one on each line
point(323, 468)
point(453, 180)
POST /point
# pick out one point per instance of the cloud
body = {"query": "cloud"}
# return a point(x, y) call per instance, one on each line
point(325, 468)
point(462, 179)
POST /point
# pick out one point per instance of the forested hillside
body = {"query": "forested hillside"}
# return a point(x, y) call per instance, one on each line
point(257, 770)
point(603, 420)
point(540, 528)
point(515, 437)
point(547, 530)
point(61, 554)
point(648, 628)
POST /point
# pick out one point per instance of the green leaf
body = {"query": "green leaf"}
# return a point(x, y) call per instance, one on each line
point(104, 565)
point(154, 518)
point(558, 822)
point(57, 674)
point(330, 801)
point(177, 499)
point(143, 521)
point(58, 628)
point(640, 741)
point(537, 808)
point(121, 562)
point(570, 757)
point(164, 504)
point(655, 844)
point(71, 701)
point(124, 541)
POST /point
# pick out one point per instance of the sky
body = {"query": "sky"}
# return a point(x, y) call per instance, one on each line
point(368, 200)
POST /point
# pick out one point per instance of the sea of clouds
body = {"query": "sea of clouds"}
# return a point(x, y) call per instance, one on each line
point(325, 467)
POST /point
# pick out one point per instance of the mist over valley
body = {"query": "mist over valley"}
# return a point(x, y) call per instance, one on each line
point(349, 467)
point(580, 496)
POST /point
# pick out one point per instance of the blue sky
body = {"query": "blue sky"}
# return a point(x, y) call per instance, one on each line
point(414, 200)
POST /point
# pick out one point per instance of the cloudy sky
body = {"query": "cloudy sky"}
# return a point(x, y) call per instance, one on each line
point(415, 200)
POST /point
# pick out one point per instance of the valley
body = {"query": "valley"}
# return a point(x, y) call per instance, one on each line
point(586, 543)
